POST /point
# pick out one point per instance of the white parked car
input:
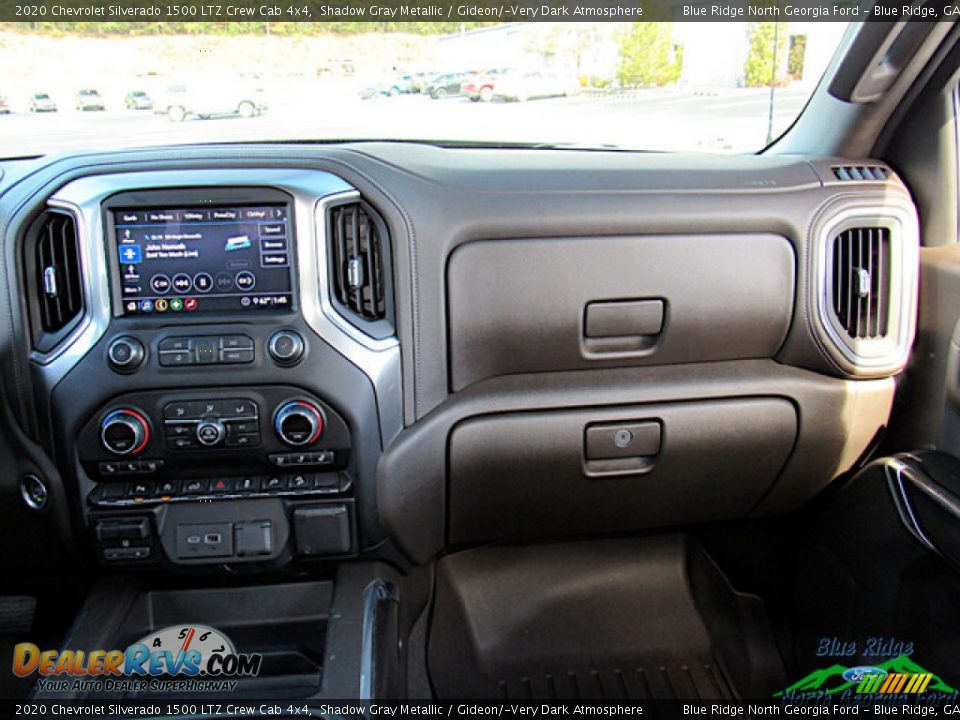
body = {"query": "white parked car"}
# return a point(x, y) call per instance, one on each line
point(220, 100)
point(517, 85)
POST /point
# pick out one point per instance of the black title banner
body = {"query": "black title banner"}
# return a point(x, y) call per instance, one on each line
point(319, 11)
point(824, 706)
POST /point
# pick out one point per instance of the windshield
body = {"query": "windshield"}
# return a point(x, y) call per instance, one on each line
point(659, 86)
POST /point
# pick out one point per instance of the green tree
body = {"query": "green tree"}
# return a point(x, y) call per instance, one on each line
point(768, 42)
point(795, 60)
point(647, 57)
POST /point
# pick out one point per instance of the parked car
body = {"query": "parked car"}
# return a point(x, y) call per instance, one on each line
point(446, 85)
point(216, 100)
point(4, 105)
point(397, 85)
point(138, 100)
point(41, 102)
point(479, 87)
point(516, 85)
point(420, 81)
point(87, 100)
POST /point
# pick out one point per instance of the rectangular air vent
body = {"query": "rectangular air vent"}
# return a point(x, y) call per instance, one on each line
point(57, 283)
point(861, 281)
point(357, 254)
point(861, 173)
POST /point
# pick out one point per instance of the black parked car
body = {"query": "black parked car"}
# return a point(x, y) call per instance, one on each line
point(445, 85)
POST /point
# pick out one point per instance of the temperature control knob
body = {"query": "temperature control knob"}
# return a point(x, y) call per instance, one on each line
point(298, 423)
point(125, 432)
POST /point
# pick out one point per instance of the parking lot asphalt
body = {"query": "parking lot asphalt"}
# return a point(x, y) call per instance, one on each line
point(727, 120)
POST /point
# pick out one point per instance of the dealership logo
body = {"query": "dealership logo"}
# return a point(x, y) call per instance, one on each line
point(189, 651)
point(897, 676)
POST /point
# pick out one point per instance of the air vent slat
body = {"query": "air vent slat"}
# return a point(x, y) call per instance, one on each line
point(861, 281)
point(882, 282)
point(340, 269)
point(357, 257)
point(56, 283)
point(871, 268)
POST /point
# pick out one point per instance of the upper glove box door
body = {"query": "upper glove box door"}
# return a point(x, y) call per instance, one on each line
point(539, 305)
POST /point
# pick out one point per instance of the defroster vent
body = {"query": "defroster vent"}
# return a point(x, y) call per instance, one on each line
point(53, 264)
point(849, 173)
point(357, 253)
point(861, 281)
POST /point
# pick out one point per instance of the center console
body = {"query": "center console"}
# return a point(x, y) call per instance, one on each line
point(224, 395)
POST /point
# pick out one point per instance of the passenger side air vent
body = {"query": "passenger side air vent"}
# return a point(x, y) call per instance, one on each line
point(867, 277)
point(54, 277)
point(860, 173)
point(360, 266)
point(861, 281)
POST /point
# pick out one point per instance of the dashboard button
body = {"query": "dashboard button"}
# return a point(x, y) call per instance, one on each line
point(250, 484)
point(275, 483)
point(221, 486)
point(247, 440)
point(203, 282)
point(182, 443)
point(109, 468)
point(303, 481)
point(141, 488)
point(167, 488)
point(150, 466)
point(236, 356)
point(243, 427)
point(210, 432)
point(236, 342)
point(206, 350)
point(176, 358)
point(182, 283)
point(323, 457)
point(160, 284)
point(194, 487)
point(125, 354)
point(245, 280)
point(286, 347)
point(180, 411)
point(224, 282)
point(235, 409)
point(176, 343)
point(180, 429)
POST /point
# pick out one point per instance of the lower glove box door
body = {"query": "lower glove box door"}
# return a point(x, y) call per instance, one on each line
point(530, 475)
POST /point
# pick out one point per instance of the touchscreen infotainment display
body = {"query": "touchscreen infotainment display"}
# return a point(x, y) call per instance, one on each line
point(211, 259)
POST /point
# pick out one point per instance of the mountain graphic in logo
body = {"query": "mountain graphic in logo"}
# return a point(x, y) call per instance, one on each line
point(831, 680)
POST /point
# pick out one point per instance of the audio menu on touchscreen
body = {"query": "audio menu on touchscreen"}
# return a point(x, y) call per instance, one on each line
point(204, 259)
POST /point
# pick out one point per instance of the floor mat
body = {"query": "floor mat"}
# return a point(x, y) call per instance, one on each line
point(620, 619)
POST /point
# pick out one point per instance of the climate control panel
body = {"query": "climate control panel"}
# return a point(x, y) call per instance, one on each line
point(211, 423)
point(162, 440)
